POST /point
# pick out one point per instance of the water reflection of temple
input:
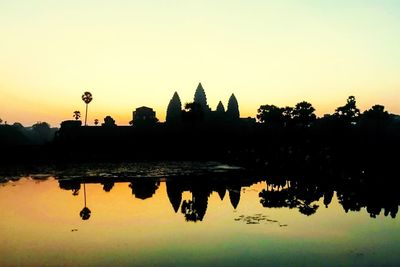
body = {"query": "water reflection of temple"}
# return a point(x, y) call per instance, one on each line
point(304, 195)
point(195, 208)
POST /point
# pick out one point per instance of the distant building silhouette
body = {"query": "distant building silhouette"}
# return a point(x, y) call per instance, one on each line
point(144, 116)
point(70, 124)
point(174, 110)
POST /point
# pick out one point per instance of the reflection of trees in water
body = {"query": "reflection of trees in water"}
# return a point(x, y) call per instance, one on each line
point(355, 189)
point(85, 212)
point(107, 186)
point(291, 195)
point(195, 209)
point(374, 196)
point(75, 186)
point(144, 188)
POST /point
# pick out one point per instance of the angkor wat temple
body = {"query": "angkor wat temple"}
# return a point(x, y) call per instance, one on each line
point(175, 115)
point(192, 131)
point(194, 112)
point(195, 132)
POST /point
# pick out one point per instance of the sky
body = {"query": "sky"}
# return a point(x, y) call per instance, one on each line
point(138, 53)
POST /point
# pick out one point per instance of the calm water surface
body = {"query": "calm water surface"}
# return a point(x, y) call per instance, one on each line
point(149, 215)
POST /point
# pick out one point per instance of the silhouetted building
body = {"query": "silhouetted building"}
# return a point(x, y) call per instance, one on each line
point(144, 115)
point(71, 124)
point(200, 98)
point(220, 108)
point(248, 121)
point(174, 110)
point(233, 108)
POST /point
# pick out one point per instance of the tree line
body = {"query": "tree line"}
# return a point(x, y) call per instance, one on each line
point(303, 115)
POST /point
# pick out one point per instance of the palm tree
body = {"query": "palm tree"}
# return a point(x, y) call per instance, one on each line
point(96, 121)
point(87, 98)
point(77, 114)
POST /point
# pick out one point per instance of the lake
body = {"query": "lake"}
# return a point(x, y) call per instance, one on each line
point(186, 214)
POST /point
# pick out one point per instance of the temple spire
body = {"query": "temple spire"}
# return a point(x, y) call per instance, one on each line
point(174, 109)
point(200, 96)
point(220, 108)
point(233, 108)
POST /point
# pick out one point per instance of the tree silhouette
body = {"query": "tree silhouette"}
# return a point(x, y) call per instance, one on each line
point(377, 112)
point(109, 121)
point(96, 122)
point(42, 131)
point(303, 114)
point(193, 113)
point(87, 98)
point(18, 125)
point(348, 113)
point(375, 120)
point(77, 114)
point(271, 115)
point(1, 120)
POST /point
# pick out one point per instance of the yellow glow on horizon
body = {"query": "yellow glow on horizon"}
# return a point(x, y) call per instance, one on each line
point(137, 54)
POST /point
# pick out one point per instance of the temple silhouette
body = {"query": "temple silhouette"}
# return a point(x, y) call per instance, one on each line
point(174, 110)
point(206, 131)
point(195, 131)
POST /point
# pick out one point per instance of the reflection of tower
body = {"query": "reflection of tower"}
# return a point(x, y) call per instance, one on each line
point(195, 209)
point(107, 186)
point(234, 196)
point(200, 200)
point(174, 193)
point(85, 212)
point(221, 190)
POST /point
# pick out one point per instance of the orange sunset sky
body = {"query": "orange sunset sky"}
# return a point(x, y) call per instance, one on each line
point(134, 53)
